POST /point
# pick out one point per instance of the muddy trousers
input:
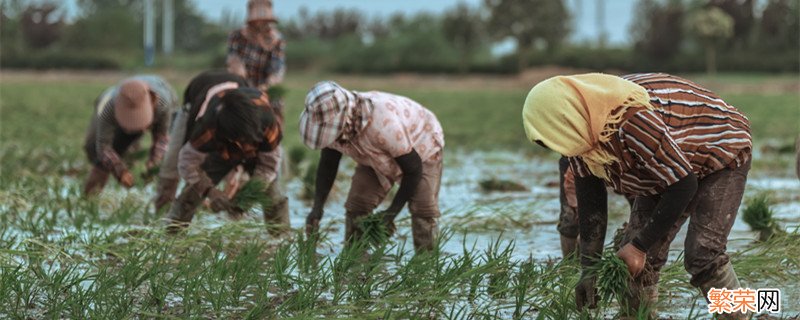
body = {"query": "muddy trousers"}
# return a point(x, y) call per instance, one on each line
point(184, 207)
point(121, 144)
point(366, 193)
point(711, 214)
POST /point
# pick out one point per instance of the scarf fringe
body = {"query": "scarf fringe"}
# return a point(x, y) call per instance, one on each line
point(598, 158)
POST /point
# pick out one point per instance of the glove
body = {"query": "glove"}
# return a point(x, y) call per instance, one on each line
point(633, 257)
point(586, 292)
point(165, 192)
point(312, 222)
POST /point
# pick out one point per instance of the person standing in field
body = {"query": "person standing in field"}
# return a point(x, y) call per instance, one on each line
point(680, 149)
point(256, 51)
point(391, 138)
point(223, 124)
point(121, 115)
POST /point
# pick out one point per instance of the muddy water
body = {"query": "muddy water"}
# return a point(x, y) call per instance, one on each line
point(529, 218)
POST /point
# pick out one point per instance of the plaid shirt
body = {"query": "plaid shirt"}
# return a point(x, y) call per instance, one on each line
point(106, 125)
point(264, 67)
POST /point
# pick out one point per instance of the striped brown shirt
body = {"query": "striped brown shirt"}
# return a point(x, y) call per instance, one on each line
point(690, 130)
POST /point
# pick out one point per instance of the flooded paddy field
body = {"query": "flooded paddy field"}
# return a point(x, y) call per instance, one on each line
point(62, 256)
point(500, 254)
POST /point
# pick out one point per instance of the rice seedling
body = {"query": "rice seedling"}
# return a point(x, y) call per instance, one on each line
point(373, 229)
point(309, 181)
point(297, 155)
point(62, 256)
point(277, 92)
point(252, 193)
point(612, 276)
point(494, 184)
point(759, 216)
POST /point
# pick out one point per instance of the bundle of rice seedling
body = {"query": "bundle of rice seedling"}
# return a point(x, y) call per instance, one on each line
point(150, 173)
point(758, 215)
point(612, 276)
point(501, 185)
point(252, 193)
point(138, 155)
point(374, 230)
point(276, 92)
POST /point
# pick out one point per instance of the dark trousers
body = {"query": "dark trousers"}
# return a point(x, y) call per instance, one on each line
point(216, 168)
point(711, 214)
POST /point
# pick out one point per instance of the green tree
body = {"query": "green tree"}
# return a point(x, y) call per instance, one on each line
point(529, 22)
point(780, 25)
point(710, 26)
point(106, 29)
point(193, 33)
point(742, 13)
point(657, 31)
point(39, 25)
point(465, 30)
point(326, 25)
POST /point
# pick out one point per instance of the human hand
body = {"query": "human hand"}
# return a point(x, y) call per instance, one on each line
point(126, 179)
point(633, 257)
point(312, 222)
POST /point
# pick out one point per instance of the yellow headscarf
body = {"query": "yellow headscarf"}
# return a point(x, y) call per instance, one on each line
point(572, 114)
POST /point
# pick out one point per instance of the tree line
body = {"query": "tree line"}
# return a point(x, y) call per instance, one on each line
point(667, 35)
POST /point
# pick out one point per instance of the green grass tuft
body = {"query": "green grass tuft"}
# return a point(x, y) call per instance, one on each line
point(759, 216)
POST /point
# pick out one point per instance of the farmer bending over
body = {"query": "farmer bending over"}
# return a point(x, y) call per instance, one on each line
point(680, 149)
point(224, 124)
point(121, 115)
point(391, 138)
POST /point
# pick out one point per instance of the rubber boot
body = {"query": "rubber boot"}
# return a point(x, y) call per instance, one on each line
point(724, 277)
point(95, 182)
point(183, 209)
point(569, 246)
point(424, 231)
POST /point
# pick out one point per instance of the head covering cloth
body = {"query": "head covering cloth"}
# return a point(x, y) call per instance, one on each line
point(573, 115)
